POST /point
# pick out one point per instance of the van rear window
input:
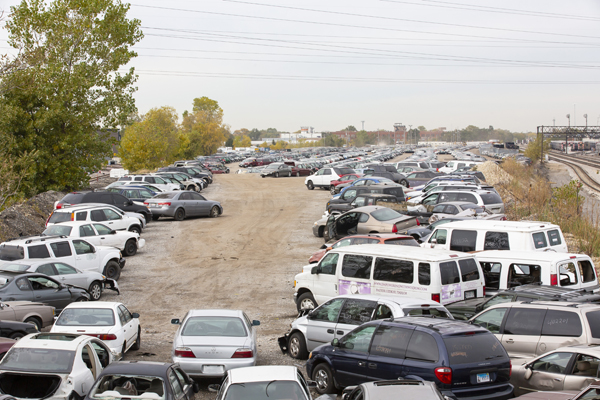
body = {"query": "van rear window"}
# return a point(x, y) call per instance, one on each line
point(491, 198)
point(449, 273)
point(468, 269)
point(476, 348)
point(539, 240)
point(58, 217)
point(586, 270)
point(554, 237)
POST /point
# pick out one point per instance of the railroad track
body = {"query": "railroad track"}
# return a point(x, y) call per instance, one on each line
point(583, 175)
point(579, 160)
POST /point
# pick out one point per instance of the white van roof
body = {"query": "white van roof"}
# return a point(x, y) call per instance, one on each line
point(511, 226)
point(550, 256)
point(406, 252)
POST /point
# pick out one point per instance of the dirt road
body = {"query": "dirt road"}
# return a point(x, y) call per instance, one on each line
point(246, 259)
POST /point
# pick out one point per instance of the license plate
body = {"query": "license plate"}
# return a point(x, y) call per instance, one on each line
point(481, 378)
point(213, 369)
point(471, 294)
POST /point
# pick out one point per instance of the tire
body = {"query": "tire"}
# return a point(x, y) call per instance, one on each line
point(147, 217)
point(276, 175)
point(306, 301)
point(35, 321)
point(404, 183)
point(310, 185)
point(214, 212)
point(112, 270)
point(138, 340)
point(332, 189)
point(323, 376)
point(135, 228)
point(321, 231)
point(123, 349)
point(130, 248)
point(95, 291)
point(297, 346)
point(16, 335)
point(80, 299)
point(155, 217)
point(297, 174)
point(179, 214)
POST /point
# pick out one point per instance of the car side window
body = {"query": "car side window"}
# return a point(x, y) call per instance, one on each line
point(86, 230)
point(524, 321)
point(39, 251)
point(356, 312)
point(390, 341)
point(585, 365)
point(121, 316)
point(98, 216)
point(181, 377)
point(440, 236)
point(145, 194)
point(102, 229)
point(423, 347)
point(61, 249)
point(81, 216)
point(328, 263)
point(499, 299)
point(383, 312)
point(358, 340)
point(175, 384)
point(185, 196)
point(326, 171)
point(522, 274)
point(196, 196)
point(438, 209)
point(64, 269)
point(463, 240)
point(392, 270)
point(424, 274)
point(357, 266)
point(111, 215)
point(83, 247)
point(562, 323)
point(555, 362)
point(328, 312)
point(46, 269)
point(364, 217)
point(496, 241)
point(491, 320)
point(41, 283)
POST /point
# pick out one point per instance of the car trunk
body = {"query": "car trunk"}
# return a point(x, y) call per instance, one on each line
point(29, 386)
point(405, 223)
point(214, 347)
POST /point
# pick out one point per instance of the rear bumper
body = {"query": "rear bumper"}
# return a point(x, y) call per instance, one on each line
point(196, 368)
point(494, 392)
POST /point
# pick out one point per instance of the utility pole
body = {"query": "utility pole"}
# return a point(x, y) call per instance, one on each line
point(409, 131)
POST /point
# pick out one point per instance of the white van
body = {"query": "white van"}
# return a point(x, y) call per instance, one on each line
point(442, 276)
point(507, 269)
point(452, 166)
point(476, 235)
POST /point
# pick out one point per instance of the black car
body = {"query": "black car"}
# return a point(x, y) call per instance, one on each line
point(19, 286)
point(193, 171)
point(115, 199)
point(133, 192)
point(16, 330)
point(351, 193)
point(387, 171)
point(465, 361)
point(466, 309)
point(123, 379)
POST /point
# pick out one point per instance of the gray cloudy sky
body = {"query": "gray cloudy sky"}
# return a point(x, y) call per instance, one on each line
point(333, 63)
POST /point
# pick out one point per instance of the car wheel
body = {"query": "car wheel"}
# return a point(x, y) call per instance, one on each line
point(16, 335)
point(79, 299)
point(297, 346)
point(276, 174)
point(95, 290)
point(180, 214)
point(214, 212)
point(297, 174)
point(123, 349)
point(306, 301)
point(135, 228)
point(324, 378)
point(310, 185)
point(35, 321)
point(130, 248)
point(404, 183)
point(138, 340)
point(332, 189)
point(112, 270)
point(155, 217)
point(321, 231)
point(147, 217)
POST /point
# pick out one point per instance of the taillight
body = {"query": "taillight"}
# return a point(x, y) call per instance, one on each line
point(553, 280)
point(184, 352)
point(436, 297)
point(165, 204)
point(484, 291)
point(418, 223)
point(503, 219)
point(103, 336)
point(72, 216)
point(509, 368)
point(243, 353)
point(444, 374)
point(146, 203)
point(394, 229)
point(58, 206)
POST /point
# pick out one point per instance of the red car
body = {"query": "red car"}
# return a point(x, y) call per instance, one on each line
point(343, 179)
point(373, 238)
point(301, 170)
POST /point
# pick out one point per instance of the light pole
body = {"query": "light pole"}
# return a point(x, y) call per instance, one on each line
point(585, 116)
point(566, 136)
point(409, 131)
point(569, 118)
point(363, 125)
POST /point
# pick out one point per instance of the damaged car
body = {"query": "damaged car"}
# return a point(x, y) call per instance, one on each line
point(53, 366)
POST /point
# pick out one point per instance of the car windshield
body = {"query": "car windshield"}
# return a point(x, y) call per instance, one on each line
point(11, 253)
point(38, 360)
point(165, 196)
point(57, 230)
point(385, 214)
point(267, 390)
point(58, 217)
point(149, 387)
point(14, 267)
point(474, 348)
point(86, 316)
point(214, 326)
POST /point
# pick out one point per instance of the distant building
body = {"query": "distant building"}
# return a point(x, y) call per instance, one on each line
point(432, 135)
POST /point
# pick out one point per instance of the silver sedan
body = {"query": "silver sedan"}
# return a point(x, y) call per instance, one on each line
point(209, 343)
point(182, 204)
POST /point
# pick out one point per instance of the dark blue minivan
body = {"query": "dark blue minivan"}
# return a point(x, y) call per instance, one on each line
point(466, 361)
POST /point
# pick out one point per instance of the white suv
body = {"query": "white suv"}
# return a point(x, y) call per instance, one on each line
point(96, 213)
point(154, 180)
point(323, 177)
point(76, 252)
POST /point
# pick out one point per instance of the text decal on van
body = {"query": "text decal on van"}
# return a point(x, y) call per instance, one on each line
point(450, 292)
point(349, 287)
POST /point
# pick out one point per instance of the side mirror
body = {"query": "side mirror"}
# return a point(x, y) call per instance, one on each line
point(196, 387)
point(335, 342)
point(135, 315)
point(255, 322)
point(323, 247)
point(433, 241)
point(112, 232)
point(527, 373)
point(130, 203)
point(214, 387)
point(175, 321)
point(315, 270)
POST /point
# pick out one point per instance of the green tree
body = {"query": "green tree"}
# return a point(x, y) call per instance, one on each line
point(204, 128)
point(350, 128)
point(242, 141)
point(67, 89)
point(153, 142)
point(229, 141)
point(533, 149)
point(421, 128)
point(254, 134)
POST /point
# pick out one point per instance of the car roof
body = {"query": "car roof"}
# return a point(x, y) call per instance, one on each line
point(379, 235)
point(263, 373)
point(215, 313)
point(551, 256)
point(545, 304)
point(35, 239)
point(443, 326)
point(135, 367)
point(95, 304)
point(55, 341)
point(403, 301)
point(416, 253)
point(505, 225)
point(554, 292)
point(455, 203)
point(590, 349)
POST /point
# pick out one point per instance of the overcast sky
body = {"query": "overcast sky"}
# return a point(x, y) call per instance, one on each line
point(332, 63)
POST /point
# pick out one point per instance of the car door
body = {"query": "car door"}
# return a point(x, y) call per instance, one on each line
point(63, 251)
point(202, 204)
point(49, 291)
point(387, 353)
point(522, 331)
point(363, 226)
point(86, 258)
point(114, 220)
point(351, 357)
point(69, 275)
point(583, 372)
point(189, 205)
point(130, 325)
point(186, 382)
point(325, 280)
point(355, 277)
point(321, 323)
point(89, 233)
point(106, 236)
point(548, 373)
point(326, 177)
point(176, 386)
point(354, 312)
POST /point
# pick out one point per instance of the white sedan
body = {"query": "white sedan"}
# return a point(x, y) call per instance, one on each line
point(108, 321)
point(99, 235)
point(92, 281)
